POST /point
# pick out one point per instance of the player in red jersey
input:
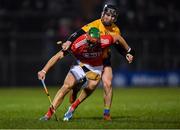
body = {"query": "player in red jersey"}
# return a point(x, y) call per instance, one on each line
point(88, 50)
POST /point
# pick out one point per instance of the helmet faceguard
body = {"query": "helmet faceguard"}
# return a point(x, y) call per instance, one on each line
point(111, 10)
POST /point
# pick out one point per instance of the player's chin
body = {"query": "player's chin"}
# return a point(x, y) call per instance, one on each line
point(107, 23)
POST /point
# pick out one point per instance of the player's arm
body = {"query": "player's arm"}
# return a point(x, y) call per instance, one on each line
point(75, 35)
point(78, 33)
point(123, 48)
point(119, 40)
point(121, 45)
point(72, 38)
point(49, 64)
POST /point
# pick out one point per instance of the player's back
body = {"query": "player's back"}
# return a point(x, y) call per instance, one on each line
point(112, 30)
point(82, 51)
point(90, 55)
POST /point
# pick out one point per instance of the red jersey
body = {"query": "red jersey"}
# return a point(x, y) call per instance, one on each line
point(92, 56)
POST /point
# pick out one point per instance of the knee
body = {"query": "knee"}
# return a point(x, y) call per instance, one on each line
point(67, 86)
point(91, 88)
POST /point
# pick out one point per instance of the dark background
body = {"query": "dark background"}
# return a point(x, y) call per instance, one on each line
point(29, 30)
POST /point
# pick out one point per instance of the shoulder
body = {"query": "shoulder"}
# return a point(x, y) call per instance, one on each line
point(94, 23)
point(80, 38)
point(106, 39)
point(107, 36)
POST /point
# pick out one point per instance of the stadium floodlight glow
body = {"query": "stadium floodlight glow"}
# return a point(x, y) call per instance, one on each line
point(47, 93)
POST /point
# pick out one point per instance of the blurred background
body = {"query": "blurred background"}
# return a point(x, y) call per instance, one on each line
point(29, 30)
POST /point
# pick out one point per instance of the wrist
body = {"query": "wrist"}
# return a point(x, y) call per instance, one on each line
point(43, 71)
point(129, 49)
point(68, 42)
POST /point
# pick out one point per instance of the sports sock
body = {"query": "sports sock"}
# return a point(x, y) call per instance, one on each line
point(75, 105)
point(106, 111)
point(50, 112)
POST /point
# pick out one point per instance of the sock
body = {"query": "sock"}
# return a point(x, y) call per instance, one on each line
point(50, 112)
point(75, 105)
point(106, 111)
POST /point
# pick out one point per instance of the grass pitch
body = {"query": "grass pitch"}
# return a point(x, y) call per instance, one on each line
point(20, 108)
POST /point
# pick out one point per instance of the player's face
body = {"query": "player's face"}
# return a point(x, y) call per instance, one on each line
point(107, 19)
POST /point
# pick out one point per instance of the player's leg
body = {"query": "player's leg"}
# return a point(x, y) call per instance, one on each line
point(67, 86)
point(108, 92)
point(87, 91)
point(74, 92)
point(76, 89)
point(91, 86)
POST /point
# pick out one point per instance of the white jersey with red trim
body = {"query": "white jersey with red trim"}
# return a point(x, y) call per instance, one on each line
point(92, 56)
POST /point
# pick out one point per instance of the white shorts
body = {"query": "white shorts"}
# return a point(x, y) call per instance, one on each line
point(79, 73)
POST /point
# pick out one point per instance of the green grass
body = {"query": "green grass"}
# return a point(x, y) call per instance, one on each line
point(131, 108)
